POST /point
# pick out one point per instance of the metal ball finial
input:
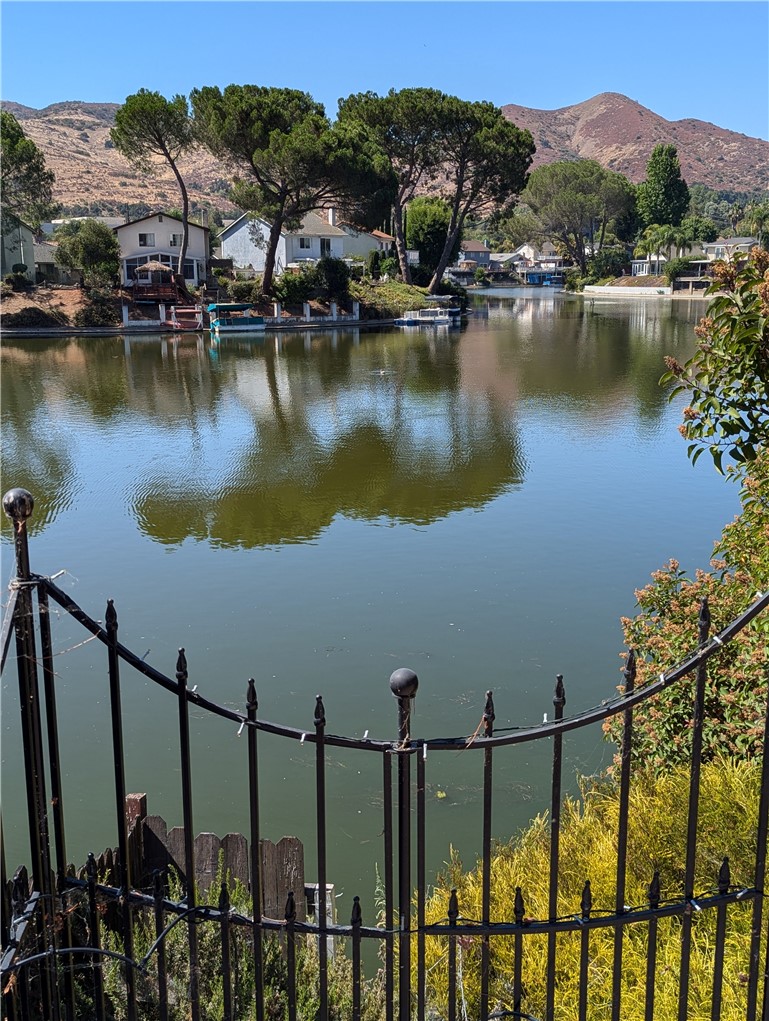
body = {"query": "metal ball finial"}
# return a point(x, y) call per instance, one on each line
point(18, 504)
point(404, 683)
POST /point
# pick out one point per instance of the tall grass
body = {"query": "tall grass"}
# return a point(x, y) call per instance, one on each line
point(588, 850)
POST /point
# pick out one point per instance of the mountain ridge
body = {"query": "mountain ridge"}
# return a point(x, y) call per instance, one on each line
point(616, 131)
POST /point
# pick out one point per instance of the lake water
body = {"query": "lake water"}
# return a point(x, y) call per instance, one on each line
point(315, 510)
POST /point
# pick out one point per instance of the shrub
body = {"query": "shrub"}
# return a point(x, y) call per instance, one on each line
point(17, 282)
point(389, 266)
point(32, 316)
point(294, 288)
point(332, 278)
point(373, 263)
point(100, 311)
point(5, 290)
point(656, 839)
point(244, 290)
point(676, 268)
point(481, 276)
point(19, 267)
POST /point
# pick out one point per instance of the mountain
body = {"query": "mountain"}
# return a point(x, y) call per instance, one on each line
point(612, 129)
point(620, 134)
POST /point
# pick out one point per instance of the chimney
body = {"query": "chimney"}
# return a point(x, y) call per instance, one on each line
point(331, 216)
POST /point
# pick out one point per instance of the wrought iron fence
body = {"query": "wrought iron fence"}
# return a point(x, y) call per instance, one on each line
point(44, 960)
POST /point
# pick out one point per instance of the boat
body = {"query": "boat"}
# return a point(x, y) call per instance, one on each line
point(428, 317)
point(234, 317)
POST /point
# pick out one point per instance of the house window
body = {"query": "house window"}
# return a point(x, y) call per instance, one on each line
point(175, 240)
point(719, 253)
point(146, 241)
point(325, 247)
point(305, 243)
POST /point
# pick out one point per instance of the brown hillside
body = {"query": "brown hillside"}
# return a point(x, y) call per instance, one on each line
point(620, 134)
point(610, 128)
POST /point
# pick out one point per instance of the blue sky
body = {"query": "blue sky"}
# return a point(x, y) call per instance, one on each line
point(708, 60)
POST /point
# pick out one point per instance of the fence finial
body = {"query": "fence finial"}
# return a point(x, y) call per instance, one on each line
point(357, 916)
point(559, 696)
point(518, 906)
point(489, 715)
point(251, 701)
point(404, 683)
point(18, 505)
point(704, 620)
point(181, 667)
point(290, 913)
point(453, 908)
point(587, 900)
point(654, 891)
point(320, 712)
point(724, 877)
point(110, 618)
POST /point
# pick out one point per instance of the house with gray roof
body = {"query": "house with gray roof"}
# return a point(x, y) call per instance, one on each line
point(245, 242)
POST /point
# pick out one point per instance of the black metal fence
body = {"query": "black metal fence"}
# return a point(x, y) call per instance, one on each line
point(55, 955)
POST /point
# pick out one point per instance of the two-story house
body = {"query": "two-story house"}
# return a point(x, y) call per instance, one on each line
point(245, 242)
point(158, 238)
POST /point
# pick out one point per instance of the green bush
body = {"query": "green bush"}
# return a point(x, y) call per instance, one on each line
point(245, 290)
point(481, 276)
point(676, 268)
point(295, 288)
point(32, 316)
point(332, 278)
point(389, 266)
point(19, 267)
point(373, 264)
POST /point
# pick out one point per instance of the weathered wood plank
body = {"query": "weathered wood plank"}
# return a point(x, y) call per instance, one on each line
point(235, 850)
point(207, 847)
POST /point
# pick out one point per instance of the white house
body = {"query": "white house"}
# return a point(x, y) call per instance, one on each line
point(245, 242)
point(701, 255)
point(158, 238)
point(18, 247)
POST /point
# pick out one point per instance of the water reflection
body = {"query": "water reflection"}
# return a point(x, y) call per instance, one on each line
point(254, 444)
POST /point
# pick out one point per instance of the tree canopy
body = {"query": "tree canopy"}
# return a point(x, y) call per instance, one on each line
point(27, 186)
point(427, 223)
point(149, 127)
point(574, 202)
point(287, 158)
point(485, 160)
point(664, 195)
point(728, 376)
point(403, 126)
point(91, 247)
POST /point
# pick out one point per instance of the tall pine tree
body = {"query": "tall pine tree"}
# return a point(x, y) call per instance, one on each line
point(664, 196)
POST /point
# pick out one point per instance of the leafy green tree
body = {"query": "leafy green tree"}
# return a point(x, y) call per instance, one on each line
point(664, 196)
point(373, 262)
point(90, 247)
point(574, 201)
point(287, 159)
point(426, 228)
point(27, 186)
point(728, 376)
point(149, 127)
point(404, 127)
point(485, 159)
point(698, 229)
point(756, 221)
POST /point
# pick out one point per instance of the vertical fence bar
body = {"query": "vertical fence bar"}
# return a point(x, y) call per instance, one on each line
point(584, 951)
point(95, 939)
point(421, 882)
point(518, 949)
point(161, 950)
point(320, 792)
point(189, 833)
point(224, 908)
point(694, 804)
point(559, 701)
point(622, 827)
point(453, 915)
point(57, 794)
point(290, 916)
point(387, 794)
point(724, 881)
point(651, 951)
point(488, 731)
point(355, 922)
point(256, 865)
point(404, 684)
point(18, 505)
point(756, 928)
point(111, 625)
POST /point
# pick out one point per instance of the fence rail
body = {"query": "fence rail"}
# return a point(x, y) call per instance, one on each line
point(61, 931)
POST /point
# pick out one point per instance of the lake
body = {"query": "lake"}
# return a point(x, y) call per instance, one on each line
point(316, 509)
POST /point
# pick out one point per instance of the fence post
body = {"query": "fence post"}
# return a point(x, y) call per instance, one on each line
point(404, 684)
point(18, 505)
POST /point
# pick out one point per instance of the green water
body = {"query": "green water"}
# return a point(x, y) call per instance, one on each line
point(315, 510)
